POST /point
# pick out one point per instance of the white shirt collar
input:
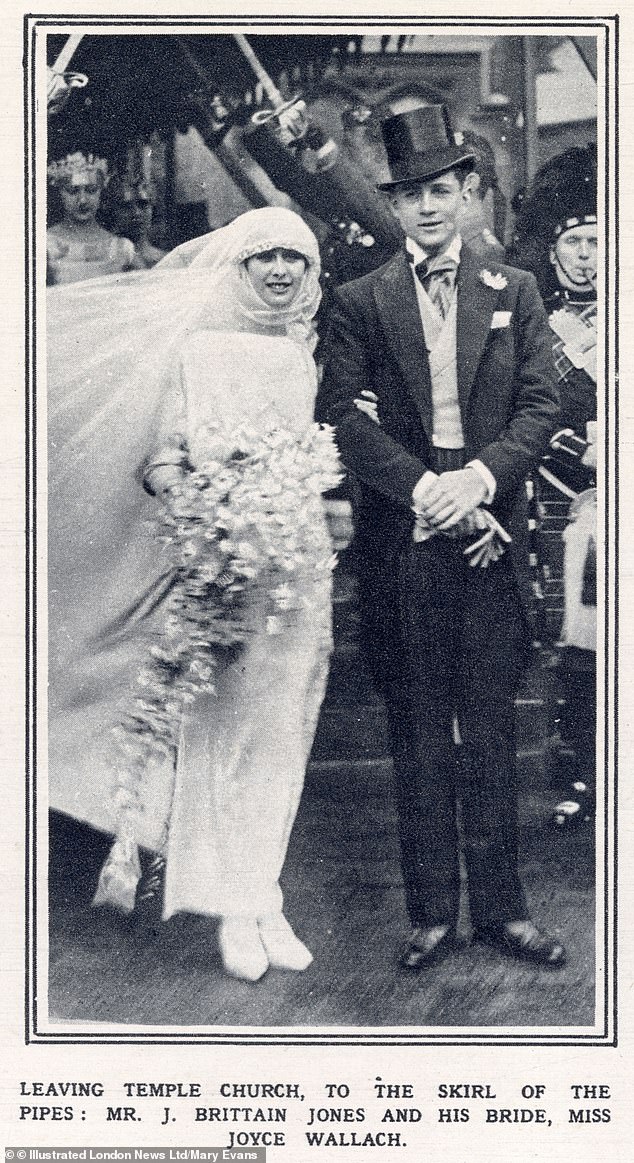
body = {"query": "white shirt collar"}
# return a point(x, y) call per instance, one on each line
point(420, 255)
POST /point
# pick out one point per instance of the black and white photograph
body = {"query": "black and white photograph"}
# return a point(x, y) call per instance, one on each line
point(323, 462)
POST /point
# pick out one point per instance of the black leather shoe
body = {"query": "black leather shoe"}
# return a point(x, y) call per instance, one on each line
point(529, 943)
point(426, 947)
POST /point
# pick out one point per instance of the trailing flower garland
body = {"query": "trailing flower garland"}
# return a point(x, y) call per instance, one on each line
point(247, 519)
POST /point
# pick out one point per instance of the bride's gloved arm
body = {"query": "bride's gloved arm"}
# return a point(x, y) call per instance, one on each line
point(168, 465)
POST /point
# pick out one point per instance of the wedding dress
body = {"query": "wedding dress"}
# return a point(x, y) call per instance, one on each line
point(133, 362)
point(243, 750)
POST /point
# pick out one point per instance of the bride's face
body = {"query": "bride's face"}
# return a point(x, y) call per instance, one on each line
point(276, 275)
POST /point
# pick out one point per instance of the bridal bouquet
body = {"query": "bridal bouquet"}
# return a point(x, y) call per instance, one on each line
point(248, 517)
point(247, 521)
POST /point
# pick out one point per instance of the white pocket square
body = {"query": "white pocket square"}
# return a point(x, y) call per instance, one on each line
point(500, 319)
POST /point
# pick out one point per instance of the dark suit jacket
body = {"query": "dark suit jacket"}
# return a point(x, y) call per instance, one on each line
point(507, 391)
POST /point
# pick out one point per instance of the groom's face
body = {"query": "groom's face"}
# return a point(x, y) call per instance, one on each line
point(428, 211)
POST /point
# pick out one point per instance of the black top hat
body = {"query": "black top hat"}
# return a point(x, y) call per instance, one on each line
point(420, 145)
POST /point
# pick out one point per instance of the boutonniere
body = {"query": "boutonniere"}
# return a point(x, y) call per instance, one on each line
point(496, 282)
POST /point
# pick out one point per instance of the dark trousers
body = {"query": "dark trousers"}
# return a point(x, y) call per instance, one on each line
point(463, 647)
point(577, 674)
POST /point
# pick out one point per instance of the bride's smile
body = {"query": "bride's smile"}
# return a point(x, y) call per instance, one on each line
point(276, 275)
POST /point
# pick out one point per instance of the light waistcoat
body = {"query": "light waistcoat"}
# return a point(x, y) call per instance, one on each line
point(440, 341)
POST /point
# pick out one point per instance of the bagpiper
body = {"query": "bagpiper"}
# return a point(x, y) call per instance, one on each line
point(557, 240)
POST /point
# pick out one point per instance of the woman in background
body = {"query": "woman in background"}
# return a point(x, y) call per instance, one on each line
point(78, 247)
point(136, 216)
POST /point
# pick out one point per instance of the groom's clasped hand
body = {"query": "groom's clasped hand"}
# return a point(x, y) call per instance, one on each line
point(446, 499)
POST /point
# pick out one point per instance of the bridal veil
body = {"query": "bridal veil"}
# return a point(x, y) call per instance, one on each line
point(112, 346)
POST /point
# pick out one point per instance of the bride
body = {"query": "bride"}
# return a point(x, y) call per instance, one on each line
point(183, 397)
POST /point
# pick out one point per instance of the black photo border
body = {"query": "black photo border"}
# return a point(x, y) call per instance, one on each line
point(33, 25)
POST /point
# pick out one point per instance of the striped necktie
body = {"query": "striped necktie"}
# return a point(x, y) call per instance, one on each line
point(438, 277)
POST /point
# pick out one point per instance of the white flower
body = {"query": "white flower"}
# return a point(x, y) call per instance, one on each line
point(497, 282)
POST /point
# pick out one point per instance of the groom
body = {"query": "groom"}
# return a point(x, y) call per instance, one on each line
point(439, 381)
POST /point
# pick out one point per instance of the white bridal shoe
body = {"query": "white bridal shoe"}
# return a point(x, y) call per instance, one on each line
point(242, 951)
point(284, 950)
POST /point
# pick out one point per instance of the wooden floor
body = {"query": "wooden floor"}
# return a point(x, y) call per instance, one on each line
point(344, 896)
